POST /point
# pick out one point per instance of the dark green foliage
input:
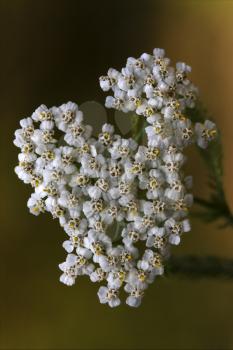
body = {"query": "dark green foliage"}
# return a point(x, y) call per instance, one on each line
point(216, 206)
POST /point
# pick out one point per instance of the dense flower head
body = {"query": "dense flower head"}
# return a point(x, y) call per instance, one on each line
point(121, 204)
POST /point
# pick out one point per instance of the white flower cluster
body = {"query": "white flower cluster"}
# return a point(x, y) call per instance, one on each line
point(150, 87)
point(121, 204)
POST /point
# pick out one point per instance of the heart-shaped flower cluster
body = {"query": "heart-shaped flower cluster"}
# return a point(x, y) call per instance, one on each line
point(122, 204)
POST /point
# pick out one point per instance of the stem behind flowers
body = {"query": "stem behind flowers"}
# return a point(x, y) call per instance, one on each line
point(216, 206)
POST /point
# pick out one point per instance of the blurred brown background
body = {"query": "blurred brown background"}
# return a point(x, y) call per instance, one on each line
point(52, 52)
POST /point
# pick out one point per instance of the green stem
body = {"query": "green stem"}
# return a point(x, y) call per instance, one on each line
point(215, 210)
point(138, 128)
point(216, 206)
point(203, 202)
point(190, 266)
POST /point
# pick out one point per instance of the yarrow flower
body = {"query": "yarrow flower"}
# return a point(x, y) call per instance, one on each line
point(121, 204)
